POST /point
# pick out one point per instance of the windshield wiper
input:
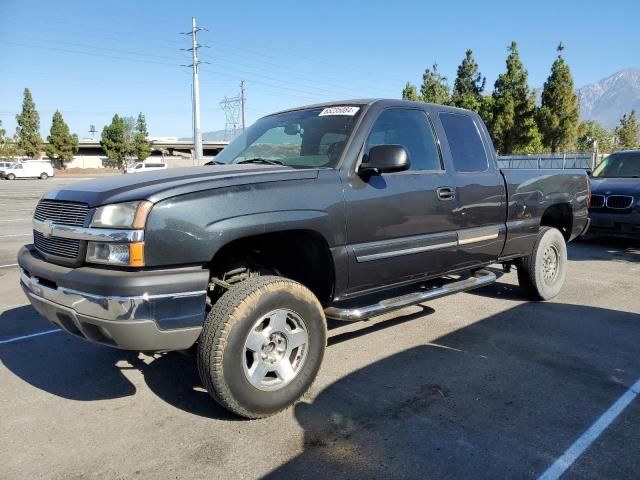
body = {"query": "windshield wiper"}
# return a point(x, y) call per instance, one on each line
point(261, 160)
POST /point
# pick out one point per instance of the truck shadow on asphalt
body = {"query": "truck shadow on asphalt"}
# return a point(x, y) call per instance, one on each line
point(501, 398)
point(75, 369)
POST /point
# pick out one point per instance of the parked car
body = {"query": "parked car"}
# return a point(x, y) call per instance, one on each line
point(342, 210)
point(141, 167)
point(4, 166)
point(615, 198)
point(30, 169)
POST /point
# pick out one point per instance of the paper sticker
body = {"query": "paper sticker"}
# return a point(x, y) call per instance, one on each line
point(351, 111)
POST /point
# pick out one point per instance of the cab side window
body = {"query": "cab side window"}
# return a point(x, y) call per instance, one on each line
point(465, 143)
point(412, 130)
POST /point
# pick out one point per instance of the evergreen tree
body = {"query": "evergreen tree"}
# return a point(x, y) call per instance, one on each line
point(511, 119)
point(628, 132)
point(409, 92)
point(62, 144)
point(28, 137)
point(434, 88)
point(141, 146)
point(114, 141)
point(7, 148)
point(469, 84)
point(558, 116)
point(591, 131)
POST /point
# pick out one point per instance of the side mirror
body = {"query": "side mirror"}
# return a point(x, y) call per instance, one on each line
point(385, 159)
point(589, 172)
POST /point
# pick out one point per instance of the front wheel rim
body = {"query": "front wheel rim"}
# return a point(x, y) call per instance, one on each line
point(275, 349)
point(550, 264)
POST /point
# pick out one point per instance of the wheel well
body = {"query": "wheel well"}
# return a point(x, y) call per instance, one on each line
point(300, 255)
point(559, 216)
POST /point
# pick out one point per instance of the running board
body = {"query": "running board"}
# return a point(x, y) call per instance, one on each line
point(477, 280)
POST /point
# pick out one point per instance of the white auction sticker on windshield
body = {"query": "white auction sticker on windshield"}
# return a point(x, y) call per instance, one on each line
point(351, 111)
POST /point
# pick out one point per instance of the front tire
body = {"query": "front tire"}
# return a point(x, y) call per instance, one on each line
point(541, 274)
point(11, 176)
point(262, 345)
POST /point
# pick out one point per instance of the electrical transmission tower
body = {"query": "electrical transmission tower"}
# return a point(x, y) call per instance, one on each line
point(233, 108)
point(195, 65)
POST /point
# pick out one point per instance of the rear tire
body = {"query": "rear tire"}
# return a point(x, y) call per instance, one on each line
point(262, 345)
point(43, 176)
point(541, 274)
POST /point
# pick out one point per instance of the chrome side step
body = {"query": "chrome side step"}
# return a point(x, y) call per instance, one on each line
point(479, 279)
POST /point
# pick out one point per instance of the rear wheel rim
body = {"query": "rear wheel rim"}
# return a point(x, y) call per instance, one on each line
point(550, 264)
point(275, 350)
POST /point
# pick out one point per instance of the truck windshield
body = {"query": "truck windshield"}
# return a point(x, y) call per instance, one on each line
point(619, 166)
point(310, 138)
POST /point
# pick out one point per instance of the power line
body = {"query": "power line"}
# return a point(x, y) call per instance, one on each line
point(255, 53)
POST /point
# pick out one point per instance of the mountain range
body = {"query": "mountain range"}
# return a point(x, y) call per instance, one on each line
point(610, 98)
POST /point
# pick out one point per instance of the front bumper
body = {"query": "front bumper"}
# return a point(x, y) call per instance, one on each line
point(143, 311)
point(618, 224)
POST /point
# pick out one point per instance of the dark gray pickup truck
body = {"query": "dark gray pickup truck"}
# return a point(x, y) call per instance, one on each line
point(344, 210)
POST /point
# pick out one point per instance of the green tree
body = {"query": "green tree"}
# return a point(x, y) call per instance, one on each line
point(409, 92)
point(434, 88)
point(558, 116)
point(141, 145)
point(28, 137)
point(115, 142)
point(62, 145)
point(469, 84)
point(591, 131)
point(510, 114)
point(7, 147)
point(628, 132)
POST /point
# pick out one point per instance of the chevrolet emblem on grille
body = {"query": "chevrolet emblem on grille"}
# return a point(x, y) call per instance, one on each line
point(47, 228)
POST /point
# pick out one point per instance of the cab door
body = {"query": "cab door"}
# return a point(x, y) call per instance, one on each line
point(400, 226)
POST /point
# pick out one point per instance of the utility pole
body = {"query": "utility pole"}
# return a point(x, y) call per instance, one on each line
point(197, 134)
point(242, 103)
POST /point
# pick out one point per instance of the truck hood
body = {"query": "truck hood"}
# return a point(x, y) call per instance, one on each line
point(158, 185)
point(615, 186)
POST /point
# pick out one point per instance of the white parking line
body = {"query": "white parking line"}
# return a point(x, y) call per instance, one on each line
point(16, 235)
point(25, 337)
point(9, 265)
point(16, 220)
point(562, 464)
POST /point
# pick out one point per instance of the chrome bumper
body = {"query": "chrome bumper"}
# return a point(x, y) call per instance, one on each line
point(167, 321)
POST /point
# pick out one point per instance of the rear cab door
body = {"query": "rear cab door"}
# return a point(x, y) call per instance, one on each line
point(479, 187)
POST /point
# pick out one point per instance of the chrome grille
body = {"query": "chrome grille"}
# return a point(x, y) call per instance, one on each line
point(619, 202)
point(60, 247)
point(597, 201)
point(62, 213)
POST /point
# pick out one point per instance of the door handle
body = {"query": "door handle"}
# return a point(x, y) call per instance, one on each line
point(446, 193)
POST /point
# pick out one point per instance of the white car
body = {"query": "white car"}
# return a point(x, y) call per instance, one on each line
point(140, 167)
point(30, 169)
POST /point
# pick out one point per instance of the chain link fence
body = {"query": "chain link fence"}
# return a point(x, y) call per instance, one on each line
point(550, 160)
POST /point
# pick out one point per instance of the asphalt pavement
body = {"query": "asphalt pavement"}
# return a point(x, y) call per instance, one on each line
point(478, 385)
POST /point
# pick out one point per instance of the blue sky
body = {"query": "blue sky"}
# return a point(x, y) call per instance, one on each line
point(92, 59)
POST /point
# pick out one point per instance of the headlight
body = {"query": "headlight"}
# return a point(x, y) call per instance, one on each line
point(128, 254)
point(122, 215)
